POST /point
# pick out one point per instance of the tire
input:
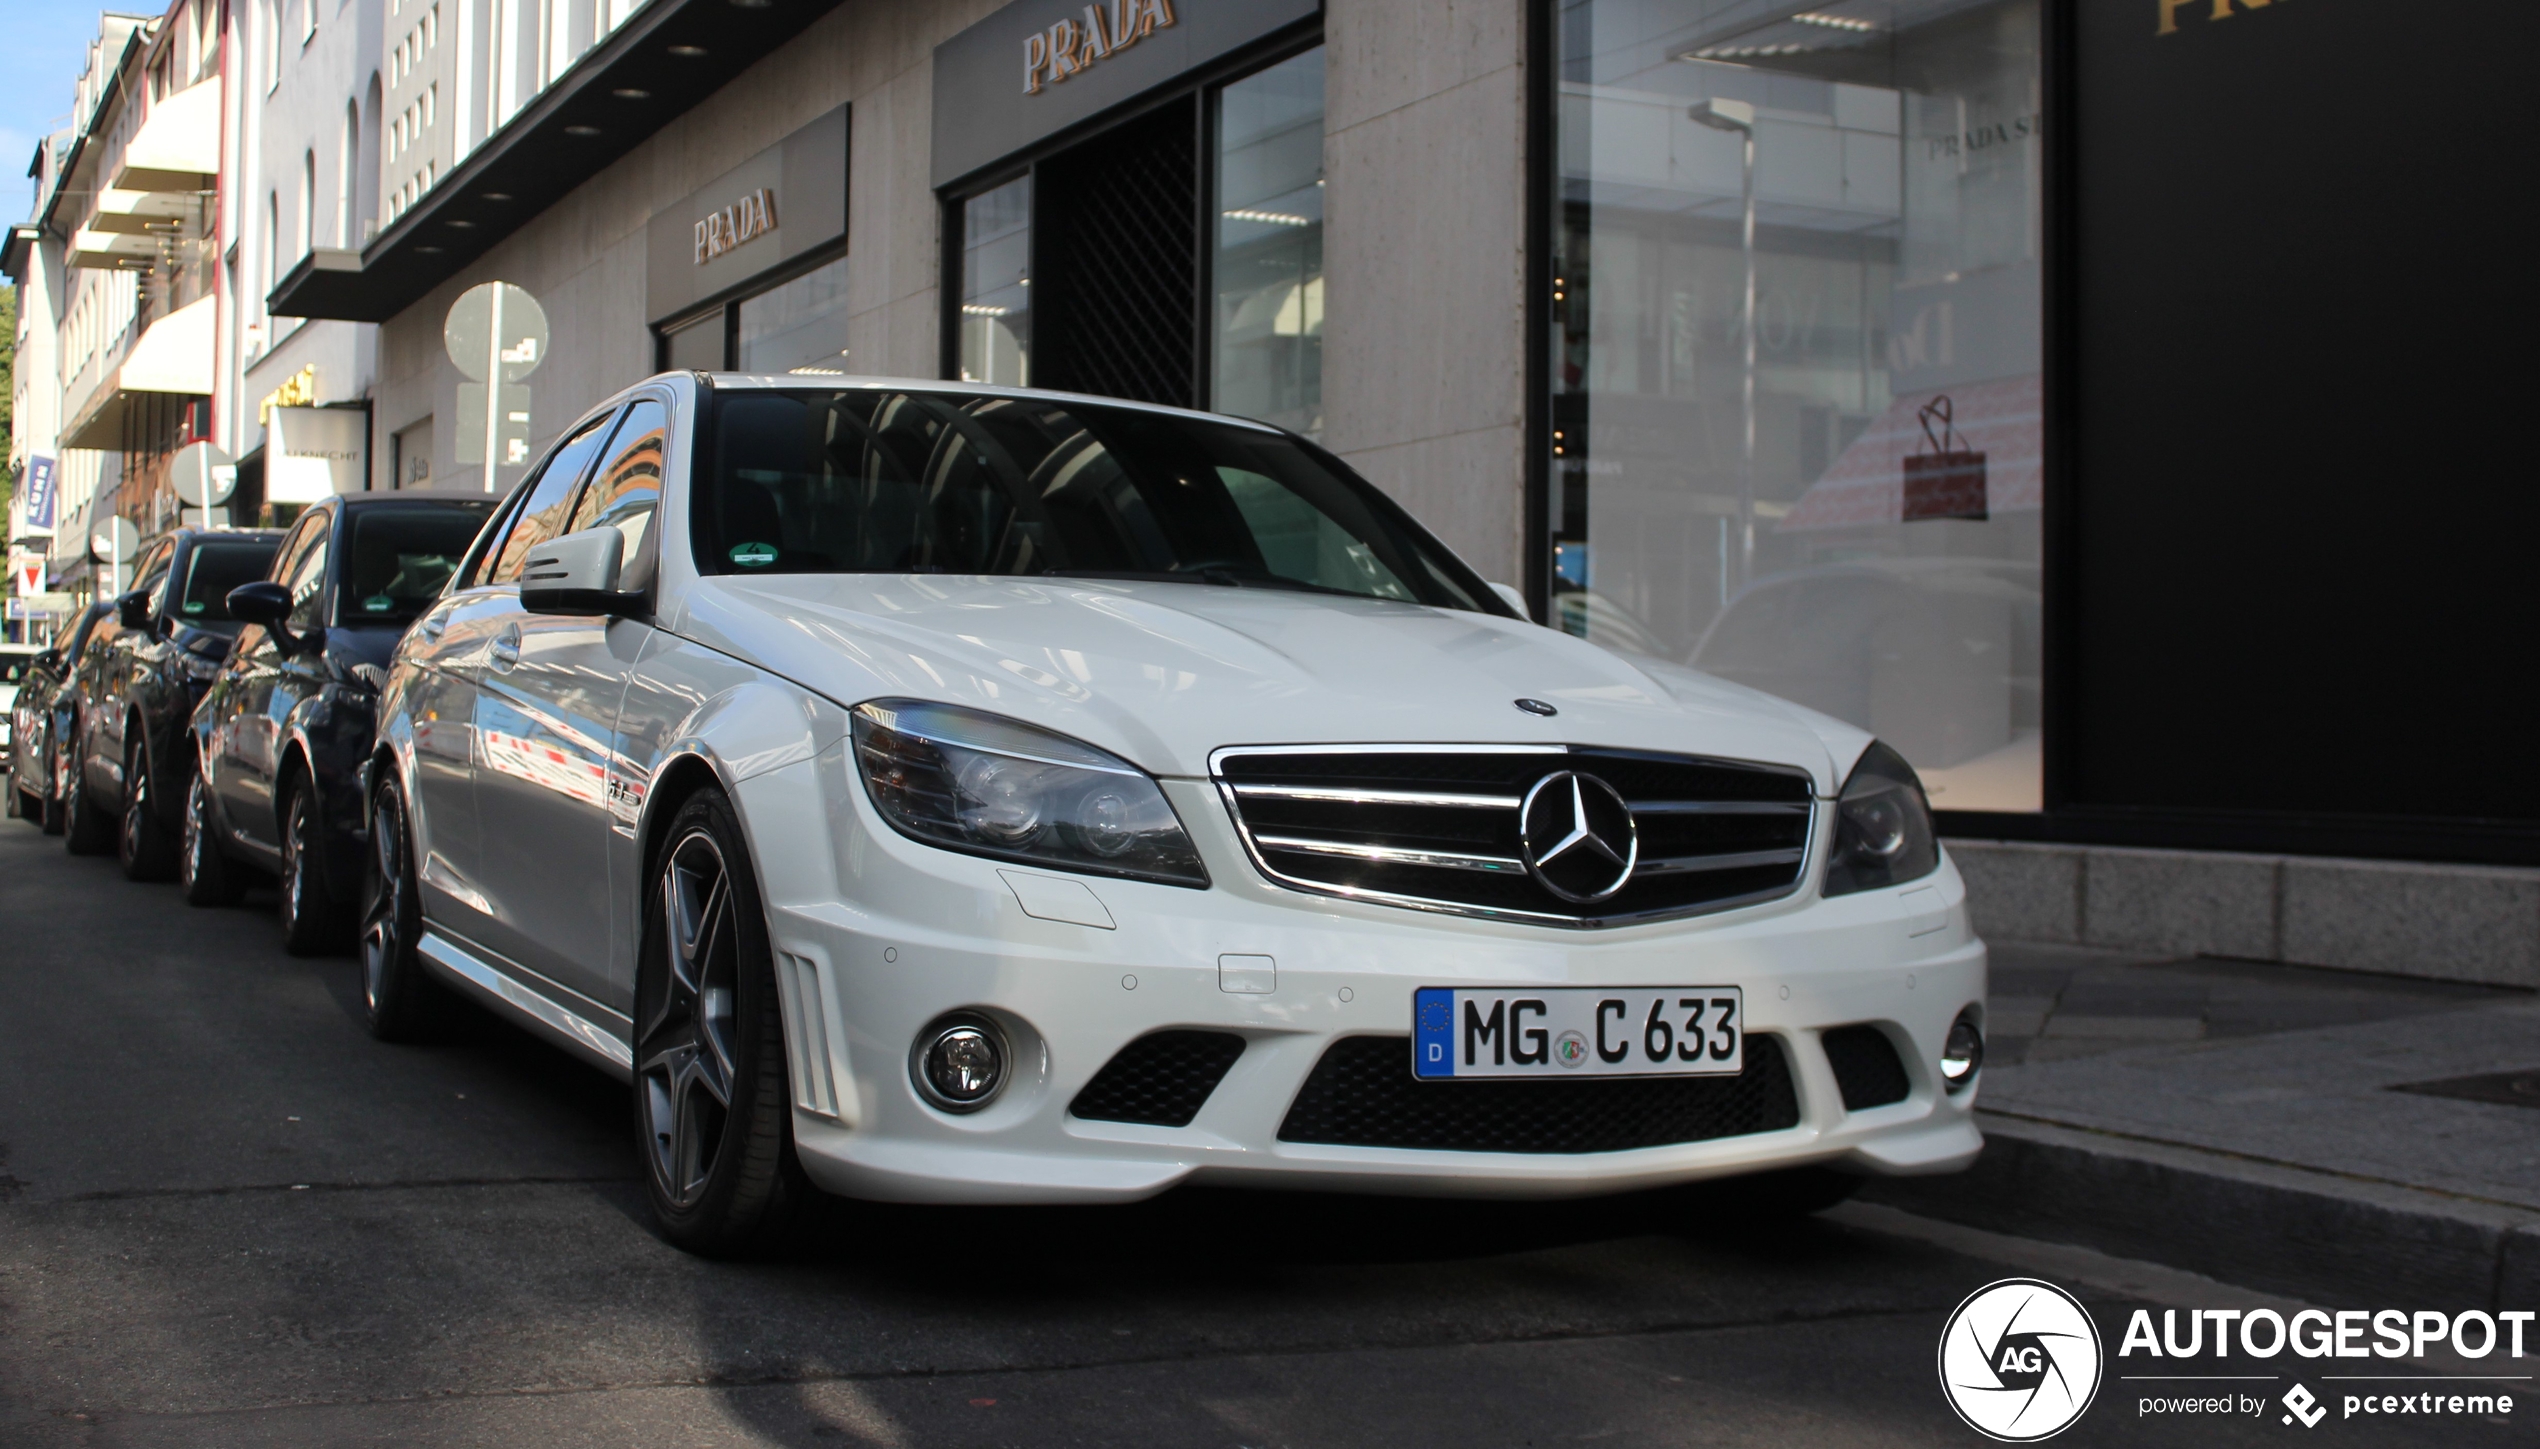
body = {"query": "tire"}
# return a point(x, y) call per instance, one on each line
point(401, 1001)
point(55, 813)
point(143, 842)
point(313, 921)
point(86, 829)
point(204, 871)
point(17, 798)
point(713, 1112)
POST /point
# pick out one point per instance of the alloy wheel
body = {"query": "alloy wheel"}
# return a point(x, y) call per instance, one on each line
point(295, 855)
point(686, 1049)
point(382, 925)
point(197, 833)
point(136, 807)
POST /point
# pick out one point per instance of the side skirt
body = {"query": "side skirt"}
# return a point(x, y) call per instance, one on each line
point(603, 1042)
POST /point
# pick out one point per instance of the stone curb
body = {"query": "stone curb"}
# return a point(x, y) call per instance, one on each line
point(2331, 1240)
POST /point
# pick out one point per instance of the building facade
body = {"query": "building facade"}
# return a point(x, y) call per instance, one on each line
point(2024, 380)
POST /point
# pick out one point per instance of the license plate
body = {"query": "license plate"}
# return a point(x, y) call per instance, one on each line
point(1578, 1031)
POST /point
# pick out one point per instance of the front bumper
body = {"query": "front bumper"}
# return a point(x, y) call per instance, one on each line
point(877, 936)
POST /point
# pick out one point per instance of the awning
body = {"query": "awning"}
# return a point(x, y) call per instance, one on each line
point(668, 56)
point(18, 251)
point(2002, 419)
point(174, 355)
point(178, 146)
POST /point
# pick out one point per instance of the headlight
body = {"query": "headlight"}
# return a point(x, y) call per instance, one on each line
point(998, 787)
point(1883, 833)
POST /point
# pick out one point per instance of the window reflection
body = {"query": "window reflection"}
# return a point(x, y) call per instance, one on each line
point(996, 285)
point(1892, 483)
point(1269, 258)
point(798, 326)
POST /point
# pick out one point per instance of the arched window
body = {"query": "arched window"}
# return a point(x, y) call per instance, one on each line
point(264, 268)
point(269, 21)
point(347, 162)
point(308, 201)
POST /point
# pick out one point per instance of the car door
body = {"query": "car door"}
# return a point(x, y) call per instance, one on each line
point(126, 657)
point(454, 646)
point(247, 724)
point(547, 712)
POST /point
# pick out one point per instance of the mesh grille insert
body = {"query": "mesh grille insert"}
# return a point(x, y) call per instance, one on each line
point(1161, 1078)
point(1866, 1067)
point(1362, 1094)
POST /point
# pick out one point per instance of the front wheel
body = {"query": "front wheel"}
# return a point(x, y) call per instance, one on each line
point(143, 845)
point(399, 997)
point(86, 829)
point(312, 920)
point(713, 1117)
point(203, 871)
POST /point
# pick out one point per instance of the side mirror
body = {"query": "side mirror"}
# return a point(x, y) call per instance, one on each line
point(133, 610)
point(267, 603)
point(262, 602)
point(577, 574)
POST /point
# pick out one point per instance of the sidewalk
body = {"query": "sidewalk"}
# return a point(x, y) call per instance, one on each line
point(2364, 1140)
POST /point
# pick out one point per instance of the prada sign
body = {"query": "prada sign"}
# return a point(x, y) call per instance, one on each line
point(728, 231)
point(746, 220)
point(1078, 61)
point(1073, 45)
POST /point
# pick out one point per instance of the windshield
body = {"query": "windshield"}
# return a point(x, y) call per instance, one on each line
point(873, 481)
point(212, 570)
point(399, 558)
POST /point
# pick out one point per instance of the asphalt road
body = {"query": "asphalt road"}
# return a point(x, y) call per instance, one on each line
point(229, 1217)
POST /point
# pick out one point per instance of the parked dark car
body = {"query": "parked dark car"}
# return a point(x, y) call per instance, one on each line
point(35, 729)
point(281, 735)
point(141, 674)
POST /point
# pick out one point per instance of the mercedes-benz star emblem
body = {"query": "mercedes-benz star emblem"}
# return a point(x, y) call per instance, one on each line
point(1578, 837)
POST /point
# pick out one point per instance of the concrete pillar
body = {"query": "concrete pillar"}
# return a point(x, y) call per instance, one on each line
point(1424, 262)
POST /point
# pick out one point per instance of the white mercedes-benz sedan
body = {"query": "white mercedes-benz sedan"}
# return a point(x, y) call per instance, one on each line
point(942, 793)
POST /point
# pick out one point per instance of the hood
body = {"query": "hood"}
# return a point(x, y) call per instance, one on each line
point(1164, 673)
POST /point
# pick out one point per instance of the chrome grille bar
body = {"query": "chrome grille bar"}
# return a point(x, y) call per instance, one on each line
point(1392, 854)
point(1338, 795)
point(1688, 864)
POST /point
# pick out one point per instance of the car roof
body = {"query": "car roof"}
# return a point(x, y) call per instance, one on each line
point(412, 497)
point(852, 382)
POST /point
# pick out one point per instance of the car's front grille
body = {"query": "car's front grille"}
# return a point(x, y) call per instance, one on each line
point(1362, 1094)
point(1439, 826)
point(1866, 1067)
point(1161, 1078)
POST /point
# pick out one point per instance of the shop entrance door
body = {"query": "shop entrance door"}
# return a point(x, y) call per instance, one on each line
point(1116, 264)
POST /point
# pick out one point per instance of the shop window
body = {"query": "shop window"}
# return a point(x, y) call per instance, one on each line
point(695, 346)
point(996, 285)
point(798, 326)
point(1831, 492)
point(1267, 267)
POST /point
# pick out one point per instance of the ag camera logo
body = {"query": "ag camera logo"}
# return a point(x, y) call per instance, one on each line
point(2020, 1360)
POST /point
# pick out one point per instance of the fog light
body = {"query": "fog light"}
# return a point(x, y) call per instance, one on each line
point(959, 1062)
point(1963, 1053)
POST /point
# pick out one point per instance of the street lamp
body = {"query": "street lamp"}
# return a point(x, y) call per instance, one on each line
point(1739, 116)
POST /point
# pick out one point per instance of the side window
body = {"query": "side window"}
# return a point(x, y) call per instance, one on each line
point(307, 578)
point(153, 574)
point(286, 559)
point(627, 489)
point(542, 516)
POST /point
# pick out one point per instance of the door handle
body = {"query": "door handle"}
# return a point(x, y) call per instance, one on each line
point(506, 649)
point(433, 624)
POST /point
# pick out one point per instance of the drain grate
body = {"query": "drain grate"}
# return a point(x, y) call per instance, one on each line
point(2513, 1089)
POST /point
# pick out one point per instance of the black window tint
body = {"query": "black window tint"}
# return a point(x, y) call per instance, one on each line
point(397, 560)
point(212, 570)
point(867, 481)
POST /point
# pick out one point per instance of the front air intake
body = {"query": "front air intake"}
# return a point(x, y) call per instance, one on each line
point(1162, 1078)
point(1362, 1094)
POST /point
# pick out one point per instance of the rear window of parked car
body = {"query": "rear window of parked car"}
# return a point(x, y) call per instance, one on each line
point(212, 570)
point(398, 559)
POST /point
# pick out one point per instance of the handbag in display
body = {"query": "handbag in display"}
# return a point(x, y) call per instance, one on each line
point(1947, 482)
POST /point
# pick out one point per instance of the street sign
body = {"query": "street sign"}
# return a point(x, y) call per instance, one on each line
point(115, 542)
point(41, 496)
point(496, 326)
point(203, 475)
point(497, 334)
point(26, 574)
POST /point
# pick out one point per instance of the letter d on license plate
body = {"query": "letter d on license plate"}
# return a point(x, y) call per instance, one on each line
point(1578, 1031)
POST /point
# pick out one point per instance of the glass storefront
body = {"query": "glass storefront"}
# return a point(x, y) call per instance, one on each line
point(1796, 413)
point(1268, 256)
point(996, 285)
point(797, 326)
